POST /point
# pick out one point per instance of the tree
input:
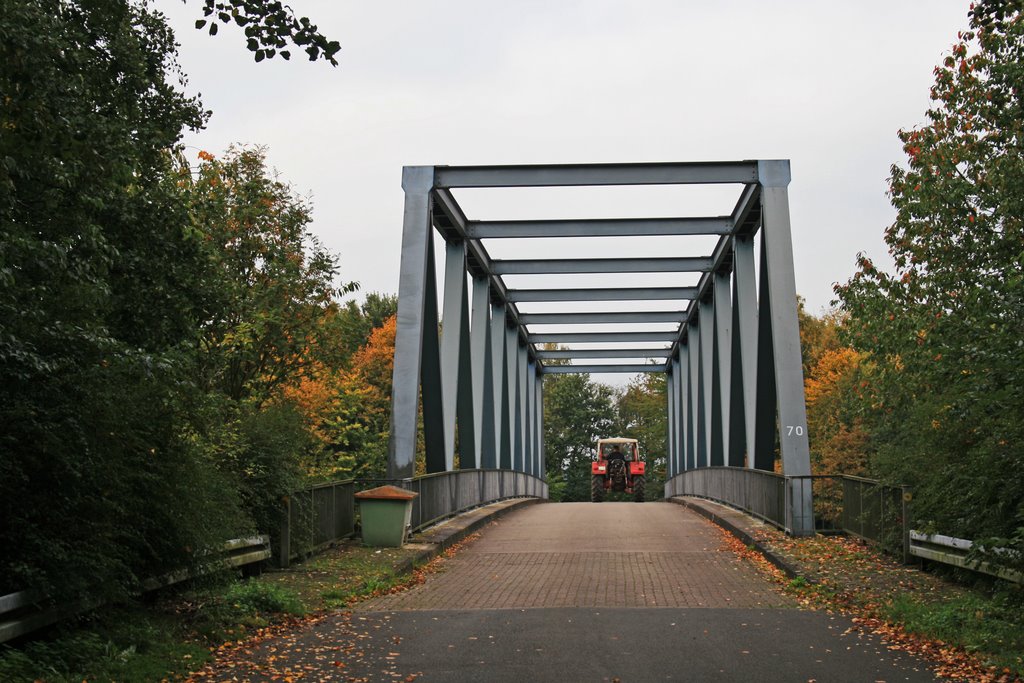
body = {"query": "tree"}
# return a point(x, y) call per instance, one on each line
point(269, 27)
point(577, 411)
point(643, 415)
point(271, 285)
point(99, 288)
point(944, 330)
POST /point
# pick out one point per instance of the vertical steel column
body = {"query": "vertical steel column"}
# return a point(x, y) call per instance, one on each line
point(500, 375)
point(766, 411)
point(417, 182)
point(744, 373)
point(670, 421)
point(707, 379)
point(528, 398)
point(433, 404)
point(776, 234)
point(683, 408)
point(542, 463)
point(483, 384)
point(694, 414)
point(467, 400)
point(522, 404)
point(451, 341)
point(723, 367)
point(519, 361)
point(512, 389)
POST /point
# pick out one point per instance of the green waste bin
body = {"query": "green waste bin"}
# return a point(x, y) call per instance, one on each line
point(385, 512)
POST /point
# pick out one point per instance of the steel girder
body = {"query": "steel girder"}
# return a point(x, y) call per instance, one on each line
point(734, 379)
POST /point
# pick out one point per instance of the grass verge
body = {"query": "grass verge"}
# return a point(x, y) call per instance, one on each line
point(971, 628)
point(180, 631)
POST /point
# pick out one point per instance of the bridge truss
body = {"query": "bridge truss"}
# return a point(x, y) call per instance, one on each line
point(729, 342)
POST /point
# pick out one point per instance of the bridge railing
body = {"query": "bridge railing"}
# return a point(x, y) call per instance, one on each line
point(446, 494)
point(861, 507)
point(761, 494)
point(322, 514)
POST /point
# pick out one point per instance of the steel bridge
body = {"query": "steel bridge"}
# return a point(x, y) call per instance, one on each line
point(728, 341)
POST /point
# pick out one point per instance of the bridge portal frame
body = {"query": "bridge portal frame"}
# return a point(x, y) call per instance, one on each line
point(734, 372)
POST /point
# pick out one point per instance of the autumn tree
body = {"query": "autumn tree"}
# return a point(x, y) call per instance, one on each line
point(271, 285)
point(944, 330)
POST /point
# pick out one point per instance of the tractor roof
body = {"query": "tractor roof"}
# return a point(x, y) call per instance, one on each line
point(616, 440)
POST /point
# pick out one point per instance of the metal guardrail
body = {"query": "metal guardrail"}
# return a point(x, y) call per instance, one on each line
point(954, 551)
point(27, 611)
point(877, 512)
point(861, 507)
point(313, 518)
point(323, 514)
point(446, 494)
point(764, 495)
point(865, 508)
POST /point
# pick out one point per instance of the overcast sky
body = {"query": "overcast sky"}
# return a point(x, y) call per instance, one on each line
point(825, 84)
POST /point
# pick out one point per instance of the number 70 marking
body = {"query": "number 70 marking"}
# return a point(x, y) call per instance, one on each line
point(794, 430)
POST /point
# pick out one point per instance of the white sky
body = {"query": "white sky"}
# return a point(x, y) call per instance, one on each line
point(822, 83)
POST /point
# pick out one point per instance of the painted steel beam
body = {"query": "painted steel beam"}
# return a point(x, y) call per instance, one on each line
point(451, 343)
point(430, 372)
point(604, 294)
point(412, 291)
point(585, 337)
point(602, 317)
point(595, 369)
point(483, 378)
point(683, 406)
point(778, 242)
point(596, 174)
point(499, 370)
point(599, 227)
point(603, 353)
point(693, 264)
point(777, 237)
point(745, 341)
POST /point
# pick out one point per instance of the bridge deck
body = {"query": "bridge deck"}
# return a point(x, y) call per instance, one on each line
point(585, 555)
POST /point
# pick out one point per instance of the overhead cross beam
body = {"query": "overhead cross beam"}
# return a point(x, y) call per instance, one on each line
point(599, 227)
point(731, 350)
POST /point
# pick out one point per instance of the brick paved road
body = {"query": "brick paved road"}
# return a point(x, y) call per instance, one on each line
point(586, 555)
point(563, 592)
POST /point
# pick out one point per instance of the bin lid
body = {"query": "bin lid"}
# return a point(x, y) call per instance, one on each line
point(386, 493)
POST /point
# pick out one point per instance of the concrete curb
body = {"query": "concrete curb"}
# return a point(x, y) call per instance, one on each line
point(443, 536)
point(695, 504)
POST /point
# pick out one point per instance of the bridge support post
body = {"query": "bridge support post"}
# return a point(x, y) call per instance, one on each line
point(454, 343)
point(671, 418)
point(417, 182)
point(721, 377)
point(483, 383)
point(682, 397)
point(777, 241)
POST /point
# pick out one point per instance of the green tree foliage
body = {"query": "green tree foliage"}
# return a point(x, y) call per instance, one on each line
point(944, 331)
point(577, 411)
point(269, 27)
point(643, 415)
point(96, 305)
point(149, 318)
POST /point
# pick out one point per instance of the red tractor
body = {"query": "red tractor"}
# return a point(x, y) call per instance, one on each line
point(618, 467)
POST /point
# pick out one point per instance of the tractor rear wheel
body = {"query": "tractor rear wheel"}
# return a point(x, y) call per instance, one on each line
point(638, 489)
point(596, 489)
